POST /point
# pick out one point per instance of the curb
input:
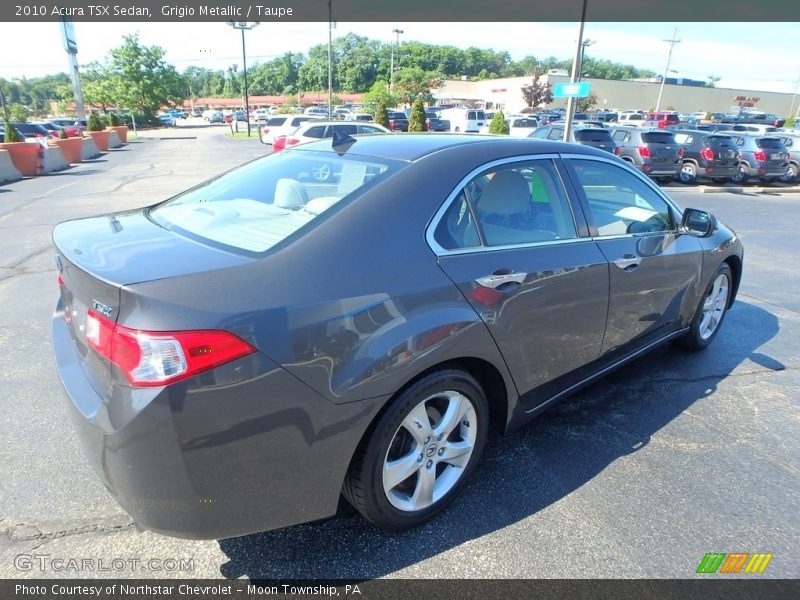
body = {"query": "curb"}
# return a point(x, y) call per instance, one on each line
point(708, 189)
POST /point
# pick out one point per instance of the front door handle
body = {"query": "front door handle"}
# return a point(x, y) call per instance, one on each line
point(501, 277)
point(628, 262)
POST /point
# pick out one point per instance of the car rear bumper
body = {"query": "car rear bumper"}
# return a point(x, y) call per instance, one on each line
point(715, 170)
point(767, 170)
point(660, 169)
point(243, 448)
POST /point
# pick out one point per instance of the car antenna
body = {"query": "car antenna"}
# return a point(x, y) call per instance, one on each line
point(342, 141)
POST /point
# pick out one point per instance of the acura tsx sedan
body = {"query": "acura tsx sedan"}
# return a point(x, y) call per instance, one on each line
point(239, 356)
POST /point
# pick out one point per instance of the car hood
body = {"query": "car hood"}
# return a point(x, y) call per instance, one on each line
point(127, 248)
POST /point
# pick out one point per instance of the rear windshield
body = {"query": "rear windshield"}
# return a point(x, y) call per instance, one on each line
point(276, 121)
point(251, 209)
point(769, 143)
point(658, 137)
point(593, 135)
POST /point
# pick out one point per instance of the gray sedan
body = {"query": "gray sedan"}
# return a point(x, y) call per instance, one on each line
point(239, 356)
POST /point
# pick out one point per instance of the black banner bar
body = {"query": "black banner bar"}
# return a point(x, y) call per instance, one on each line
point(391, 589)
point(408, 10)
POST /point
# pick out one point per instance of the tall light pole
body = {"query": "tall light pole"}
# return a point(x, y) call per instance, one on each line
point(330, 59)
point(792, 112)
point(575, 76)
point(391, 67)
point(674, 40)
point(584, 44)
point(243, 26)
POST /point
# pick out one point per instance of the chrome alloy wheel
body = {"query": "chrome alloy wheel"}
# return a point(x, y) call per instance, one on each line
point(714, 306)
point(430, 451)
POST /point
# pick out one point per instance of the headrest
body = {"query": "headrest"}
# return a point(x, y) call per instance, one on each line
point(290, 194)
point(507, 194)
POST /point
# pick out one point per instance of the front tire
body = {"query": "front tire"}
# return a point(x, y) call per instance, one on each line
point(419, 453)
point(711, 312)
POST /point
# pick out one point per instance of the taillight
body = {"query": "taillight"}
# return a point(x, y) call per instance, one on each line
point(292, 141)
point(760, 155)
point(59, 279)
point(157, 358)
point(279, 143)
point(644, 151)
point(707, 154)
point(618, 151)
point(681, 152)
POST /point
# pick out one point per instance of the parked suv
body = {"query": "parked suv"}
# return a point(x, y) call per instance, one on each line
point(765, 158)
point(281, 125)
point(660, 120)
point(653, 151)
point(586, 135)
point(398, 121)
point(706, 154)
point(792, 143)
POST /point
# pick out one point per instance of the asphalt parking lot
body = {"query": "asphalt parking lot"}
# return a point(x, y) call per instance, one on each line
point(640, 475)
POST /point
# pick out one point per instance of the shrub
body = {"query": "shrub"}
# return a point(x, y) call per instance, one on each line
point(11, 134)
point(790, 122)
point(498, 124)
point(417, 120)
point(115, 120)
point(381, 114)
point(96, 122)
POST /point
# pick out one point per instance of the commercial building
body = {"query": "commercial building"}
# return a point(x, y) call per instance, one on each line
point(614, 94)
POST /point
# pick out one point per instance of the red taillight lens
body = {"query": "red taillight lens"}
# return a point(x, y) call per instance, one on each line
point(681, 152)
point(618, 151)
point(707, 154)
point(292, 141)
point(760, 155)
point(644, 151)
point(157, 358)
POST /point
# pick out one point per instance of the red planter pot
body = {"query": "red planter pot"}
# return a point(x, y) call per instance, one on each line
point(25, 156)
point(70, 147)
point(101, 139)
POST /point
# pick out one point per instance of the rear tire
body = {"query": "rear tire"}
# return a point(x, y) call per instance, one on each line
point(741, 175)
point(711, 311)
point(664, 180)
point(688, 173)
point(791, 174)
point(721, 180)
point(420, 452)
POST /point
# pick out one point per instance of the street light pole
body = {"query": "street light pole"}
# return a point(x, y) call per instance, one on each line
point(244, 25)
point(584, 44)
point(330, 59)
point(575, 76)
point(391, 67)
point(674, 40)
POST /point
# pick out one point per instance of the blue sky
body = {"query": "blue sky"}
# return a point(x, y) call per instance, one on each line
point(760, 56)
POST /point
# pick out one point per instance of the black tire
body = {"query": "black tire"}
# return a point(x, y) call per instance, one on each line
point(688, 173)
point(792, 172)
point(721, 180)
point(664, 180)
point(741, 175)
point(695, 339)
point(364, 484)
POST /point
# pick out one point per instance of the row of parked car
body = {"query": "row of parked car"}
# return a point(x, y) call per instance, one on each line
point(46, 129)
point(688, 154)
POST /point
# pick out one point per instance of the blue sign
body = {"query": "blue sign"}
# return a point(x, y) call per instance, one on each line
point(571, 90)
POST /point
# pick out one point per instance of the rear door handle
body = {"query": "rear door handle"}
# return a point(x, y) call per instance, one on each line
point(501, 277)
point(628, 262)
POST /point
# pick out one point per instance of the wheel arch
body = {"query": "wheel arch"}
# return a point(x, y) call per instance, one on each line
point(735, 264)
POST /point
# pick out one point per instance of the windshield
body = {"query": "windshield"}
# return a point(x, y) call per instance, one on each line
point(593, 135)
point(251, 209)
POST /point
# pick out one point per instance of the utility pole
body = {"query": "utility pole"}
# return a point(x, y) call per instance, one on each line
point(391, 67)
point(243, 26)
point(71, 47)
point(674, 40)
point(575, 76)
point(330, 59)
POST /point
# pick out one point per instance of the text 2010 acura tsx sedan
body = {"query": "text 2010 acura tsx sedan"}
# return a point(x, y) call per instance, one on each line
point(239, 356)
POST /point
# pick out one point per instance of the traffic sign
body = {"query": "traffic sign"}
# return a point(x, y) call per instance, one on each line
point(571, 90)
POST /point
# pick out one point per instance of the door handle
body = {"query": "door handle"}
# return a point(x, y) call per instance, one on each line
point(501, 277)
point(628, 262)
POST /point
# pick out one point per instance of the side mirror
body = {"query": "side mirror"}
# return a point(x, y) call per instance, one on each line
point(698, 223)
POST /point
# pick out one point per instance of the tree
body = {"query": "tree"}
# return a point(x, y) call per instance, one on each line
point(712, 81)
point(379, 92)
point(498, 124)
point(584, 104)
point(417, 120)
point(536, 93)
point(145, 80)
point(381, 114)
point(412, 83)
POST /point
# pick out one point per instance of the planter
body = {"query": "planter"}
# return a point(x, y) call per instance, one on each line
point(101, 139)
point(25, 156)
point(122, 132)
point(70, 147)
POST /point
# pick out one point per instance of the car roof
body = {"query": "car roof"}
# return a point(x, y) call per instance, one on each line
point(413, 146)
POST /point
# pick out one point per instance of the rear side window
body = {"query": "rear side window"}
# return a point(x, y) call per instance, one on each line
point(683, 138)
point(472, 115)
point(341, 129)
point(276, 121)
point(520, 204)
point(658, 137)
point(719, 140)
point(555, 134)
point(251, 209)
point(593, 135)
point(620, 136)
